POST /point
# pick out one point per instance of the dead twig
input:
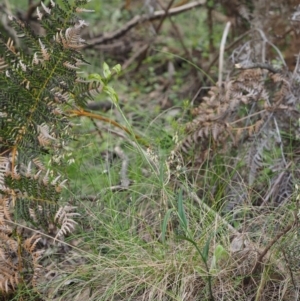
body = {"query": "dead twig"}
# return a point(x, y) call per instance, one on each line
point(271, 243)
point(178, 33)
point(31, 9)
point(96, 127)
point(135, 56)
point(214, 60)
point(289, 268)
point(137, 20)
point(143, 54)
point(258, 66)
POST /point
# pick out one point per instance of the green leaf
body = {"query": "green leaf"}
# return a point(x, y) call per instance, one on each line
point(95, 76)
point(117, 69)
point(106, 71)
point(181, 212)
point(111, 93)
point(219, 254)
point(165, 224)
point(206, 248)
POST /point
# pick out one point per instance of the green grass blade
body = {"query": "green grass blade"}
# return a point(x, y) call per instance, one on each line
point(165, 224)
point(181, 212)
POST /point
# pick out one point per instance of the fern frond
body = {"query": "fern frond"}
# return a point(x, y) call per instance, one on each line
point(253, 119)
point(11, 262)
point(31, 242)
point(4, 207)
point(64, 218)
point(36, 83)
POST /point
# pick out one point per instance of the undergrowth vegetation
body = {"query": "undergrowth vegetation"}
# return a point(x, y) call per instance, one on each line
point(130, 184)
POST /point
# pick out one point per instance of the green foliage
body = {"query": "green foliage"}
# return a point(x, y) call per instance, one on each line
point(220, 254)
point(128, 238)
point(39, 87)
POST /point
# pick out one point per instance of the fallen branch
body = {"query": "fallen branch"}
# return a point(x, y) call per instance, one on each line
point(245, 66)
point(137, 20)
point(142, 55)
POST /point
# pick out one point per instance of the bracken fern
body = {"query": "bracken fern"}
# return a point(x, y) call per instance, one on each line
point(39, 85)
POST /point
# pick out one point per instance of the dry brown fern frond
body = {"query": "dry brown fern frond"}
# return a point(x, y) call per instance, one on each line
point(251, 123)
point(4, 210)
point(71, 38)
point(21, 251)
point(225, 114)
point(64, 217)
point(17, 259)
point(9, 273)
